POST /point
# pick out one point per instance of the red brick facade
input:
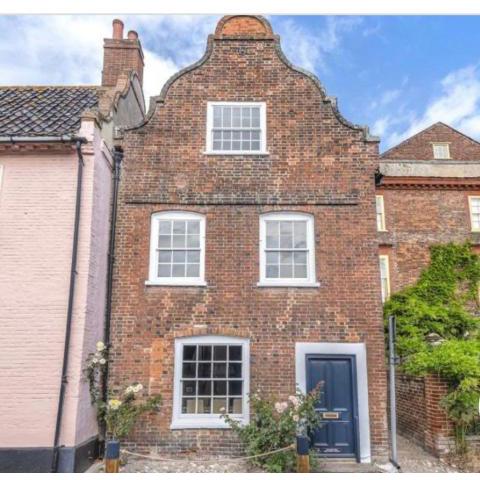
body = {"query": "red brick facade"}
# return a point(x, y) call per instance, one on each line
point(317, 163)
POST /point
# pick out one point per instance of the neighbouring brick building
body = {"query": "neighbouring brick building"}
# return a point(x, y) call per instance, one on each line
point(247, 254)
point(428, 193)
point(55, 143)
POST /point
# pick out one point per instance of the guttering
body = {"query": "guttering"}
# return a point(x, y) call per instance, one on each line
point(117, 157)
point(73, 274)
point(48, 139)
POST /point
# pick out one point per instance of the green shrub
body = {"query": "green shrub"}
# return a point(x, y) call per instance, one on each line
point(274, 425)
point(443, 306)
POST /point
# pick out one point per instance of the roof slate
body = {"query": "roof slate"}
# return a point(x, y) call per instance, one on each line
point(44, 111)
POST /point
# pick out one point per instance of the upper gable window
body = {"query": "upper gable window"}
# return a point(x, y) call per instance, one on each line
point(441, 150)
point(236, 128)
point(177, 249)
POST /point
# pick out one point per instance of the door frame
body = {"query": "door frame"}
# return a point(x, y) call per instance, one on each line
point(353, 378)
point(358, 351)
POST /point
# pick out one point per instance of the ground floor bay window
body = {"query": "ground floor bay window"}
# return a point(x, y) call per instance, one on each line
point(211, 377)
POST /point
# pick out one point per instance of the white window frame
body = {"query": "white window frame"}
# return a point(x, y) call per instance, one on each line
point(211, 420)
point(386, 295)
point(473, 227)
point(441, 144)
point(310, 281)
point(263, 128)
point(380, 225)
point(153, 278)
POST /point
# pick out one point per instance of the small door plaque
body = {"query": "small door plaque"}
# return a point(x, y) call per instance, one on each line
point(331, 415)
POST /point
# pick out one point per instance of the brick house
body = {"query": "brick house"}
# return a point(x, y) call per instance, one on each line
point(428, 192)
point(247, 252)
point(56, 158)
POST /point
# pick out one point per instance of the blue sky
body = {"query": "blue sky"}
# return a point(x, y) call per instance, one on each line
point(397, 74)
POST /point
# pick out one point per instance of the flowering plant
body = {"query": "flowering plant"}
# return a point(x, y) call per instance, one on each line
point(119, 413)
point(275, 425)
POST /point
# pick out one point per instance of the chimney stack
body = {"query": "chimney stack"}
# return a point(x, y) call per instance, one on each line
point(121, 55)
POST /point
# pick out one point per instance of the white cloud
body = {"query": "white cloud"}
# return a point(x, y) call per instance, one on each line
point(309, 49)
point(458, 105)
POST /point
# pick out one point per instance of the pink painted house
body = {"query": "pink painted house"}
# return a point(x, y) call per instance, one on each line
point(58, 159)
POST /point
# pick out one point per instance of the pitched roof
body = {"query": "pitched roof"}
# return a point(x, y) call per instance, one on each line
point(44, 111)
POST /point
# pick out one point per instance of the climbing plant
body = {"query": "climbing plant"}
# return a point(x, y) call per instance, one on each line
point(438, 329)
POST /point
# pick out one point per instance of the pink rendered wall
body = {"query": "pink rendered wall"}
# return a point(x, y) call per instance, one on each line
point(37, 198)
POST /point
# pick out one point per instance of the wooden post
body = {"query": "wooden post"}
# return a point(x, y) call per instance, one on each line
point(112, 457)
point(303, 459)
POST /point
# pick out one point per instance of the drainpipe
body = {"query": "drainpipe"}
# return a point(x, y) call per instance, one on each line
point(392, 361)
point(73, 276)
point(117, 157)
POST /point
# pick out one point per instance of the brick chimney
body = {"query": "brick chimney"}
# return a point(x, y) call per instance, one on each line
point(121, 55)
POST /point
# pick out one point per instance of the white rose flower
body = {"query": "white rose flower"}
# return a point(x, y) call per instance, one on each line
point(100, 346)
point(138, 388)
point(295, 401)
point(114, 404)
point(102, 361)
point(130, 389)
point(280, 407)
point(94, 360)
point(295, 418)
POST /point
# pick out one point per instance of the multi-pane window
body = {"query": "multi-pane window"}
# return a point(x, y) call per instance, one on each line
point(384, 277)
point(286, 249)
point(441, 150)
point(236, 127)
point(475, 213)
point(380, 213)
point(211, 378)
point(177, 247)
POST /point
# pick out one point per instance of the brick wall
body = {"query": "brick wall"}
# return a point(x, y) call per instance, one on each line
point(317, 163)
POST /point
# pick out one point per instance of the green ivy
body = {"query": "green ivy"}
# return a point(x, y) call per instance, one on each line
point(438, 329)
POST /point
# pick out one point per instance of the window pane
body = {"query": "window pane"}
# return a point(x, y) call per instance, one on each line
point(205, 352)
point(204, 370)
point(193, 241)
point(164, 270)
point(236, 117)
point(227, 117)
point(286, 228)
point(272, 234)
point(300, 235)
point(219, 370)
point(256, 117)
point(286, 258)
point(179, 241)
point(300, 271)
point(193, 226)
point(235, 352)
point(204, 405)
point(217, 116)
point(286, 271)
point(235, 370)
point(272, 258)
point(188, 405)
point(189, 389)
point(217, 145)
point(193, 270)
point(220, 387)
point(179, 227)
point(179, 256)
point(300, 258)
point(235, 387)
point(204, 387)
point(255, 135)
point(219, 405)
point(272, 271)
point(255, 145)
point(164, 256)
point(235, 405)
point(164, 241)
point(220, 352)
point(164, 227)
point(189, 352)
point(246, 117)
point(188, 370)
point(286, 241)
point(178, 270)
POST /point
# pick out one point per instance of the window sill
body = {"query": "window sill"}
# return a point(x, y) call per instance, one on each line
point(193, 283)
point(204, 423)
point(289, 285)
point(238, 153)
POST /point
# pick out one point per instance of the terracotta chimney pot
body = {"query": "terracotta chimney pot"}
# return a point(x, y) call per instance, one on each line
point(132, 35)
point(117, 29)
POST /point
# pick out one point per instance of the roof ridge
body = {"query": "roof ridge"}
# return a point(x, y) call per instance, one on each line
point(22, 87)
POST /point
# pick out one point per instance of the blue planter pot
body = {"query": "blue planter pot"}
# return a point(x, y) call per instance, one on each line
point(112, 450)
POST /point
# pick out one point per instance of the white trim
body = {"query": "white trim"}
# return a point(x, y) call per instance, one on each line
point(184, 421)
point(381, 227)
point(310, 281)
point(263, 129)
point(384, 258)
point(470, 198)
point(153, 279)
point(359, 351)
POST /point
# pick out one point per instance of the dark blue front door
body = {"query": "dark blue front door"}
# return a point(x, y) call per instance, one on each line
point(337, 407)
